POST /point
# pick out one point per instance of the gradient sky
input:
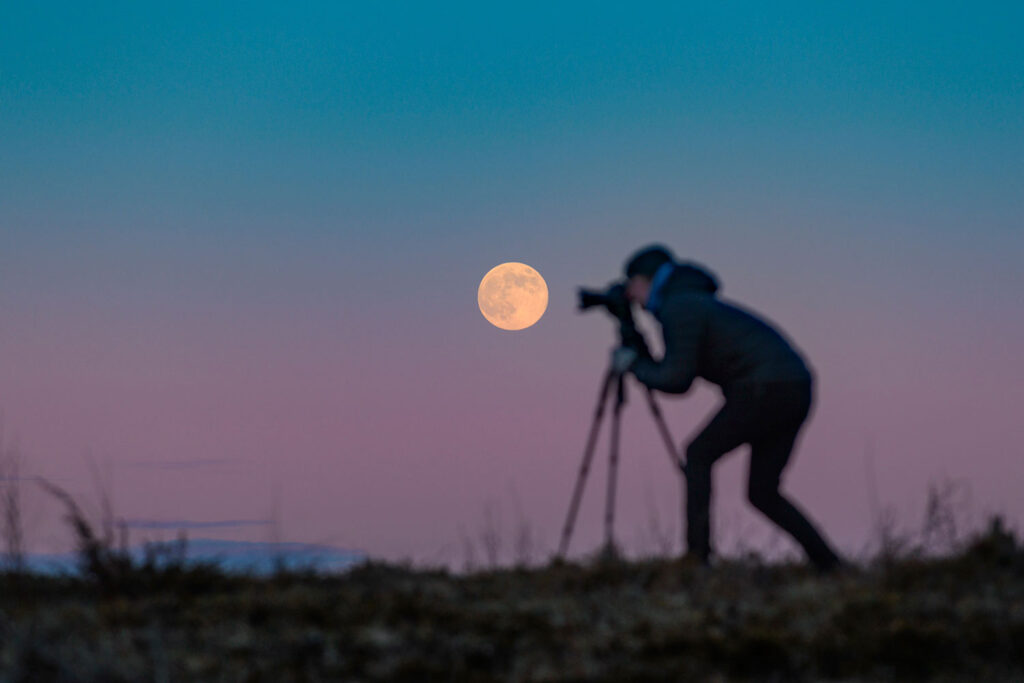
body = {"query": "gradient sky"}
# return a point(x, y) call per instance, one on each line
point(240, 249)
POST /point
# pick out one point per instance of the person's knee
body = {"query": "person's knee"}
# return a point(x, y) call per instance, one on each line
point(763, 496)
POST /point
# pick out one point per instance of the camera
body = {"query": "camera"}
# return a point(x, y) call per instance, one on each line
point(614, 300)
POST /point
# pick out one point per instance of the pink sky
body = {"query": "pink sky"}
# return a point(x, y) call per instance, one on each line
point(387, 424)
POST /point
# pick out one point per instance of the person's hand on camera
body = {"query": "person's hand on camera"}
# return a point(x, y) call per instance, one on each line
point(623, 359)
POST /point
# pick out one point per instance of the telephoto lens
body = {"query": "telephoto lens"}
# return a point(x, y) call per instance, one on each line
point(613, 299)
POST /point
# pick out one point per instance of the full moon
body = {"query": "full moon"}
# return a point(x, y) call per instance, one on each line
point(512, 296)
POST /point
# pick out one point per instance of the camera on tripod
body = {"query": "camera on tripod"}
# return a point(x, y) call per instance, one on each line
point(614, 300)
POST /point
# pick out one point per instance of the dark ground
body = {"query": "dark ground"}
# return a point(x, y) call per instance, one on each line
point(955, 618)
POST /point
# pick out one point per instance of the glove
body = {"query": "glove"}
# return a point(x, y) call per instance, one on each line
point(623, 358)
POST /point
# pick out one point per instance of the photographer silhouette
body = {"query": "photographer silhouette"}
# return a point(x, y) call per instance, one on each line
point(766, 383)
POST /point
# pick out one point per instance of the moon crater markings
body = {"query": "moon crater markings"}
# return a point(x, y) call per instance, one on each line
point(512, 296)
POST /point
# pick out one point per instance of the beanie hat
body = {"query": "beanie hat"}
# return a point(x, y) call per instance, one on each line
point(647, 261)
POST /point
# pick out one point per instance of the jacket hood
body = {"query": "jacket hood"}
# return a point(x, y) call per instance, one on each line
point(693, 277)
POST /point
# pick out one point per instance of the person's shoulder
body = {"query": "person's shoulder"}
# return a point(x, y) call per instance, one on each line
point(689, 294)
point(741, 309)
point(686, 301)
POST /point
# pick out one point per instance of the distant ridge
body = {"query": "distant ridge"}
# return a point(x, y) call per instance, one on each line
point(244, 557)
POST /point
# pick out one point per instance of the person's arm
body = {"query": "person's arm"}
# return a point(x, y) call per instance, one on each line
point(682, 328)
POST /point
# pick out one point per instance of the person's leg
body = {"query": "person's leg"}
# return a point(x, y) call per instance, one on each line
point(726, 431)
point(769, 453)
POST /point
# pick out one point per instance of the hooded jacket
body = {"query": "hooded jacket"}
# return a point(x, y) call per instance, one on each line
point(718, 341)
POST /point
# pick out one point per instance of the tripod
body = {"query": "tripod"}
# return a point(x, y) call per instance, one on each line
point(612, 379)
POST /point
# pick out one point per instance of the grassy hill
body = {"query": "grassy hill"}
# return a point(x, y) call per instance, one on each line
point(909, 618)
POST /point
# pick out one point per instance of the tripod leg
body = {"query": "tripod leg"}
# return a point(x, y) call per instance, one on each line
point(676, 460)
point(588, 454)
point(613, 466)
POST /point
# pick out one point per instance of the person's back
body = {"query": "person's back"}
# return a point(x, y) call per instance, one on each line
point(714, 339)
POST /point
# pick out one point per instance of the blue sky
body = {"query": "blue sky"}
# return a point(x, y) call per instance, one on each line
point(351, 105)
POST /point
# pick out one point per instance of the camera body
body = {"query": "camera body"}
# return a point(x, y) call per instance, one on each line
point(613, 300)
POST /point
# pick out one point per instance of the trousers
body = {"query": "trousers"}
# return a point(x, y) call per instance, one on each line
point(768, 416)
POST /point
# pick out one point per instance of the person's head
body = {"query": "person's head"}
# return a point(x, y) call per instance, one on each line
point(640, 270)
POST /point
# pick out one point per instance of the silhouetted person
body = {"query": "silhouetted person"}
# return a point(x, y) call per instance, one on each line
point(766, 384)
